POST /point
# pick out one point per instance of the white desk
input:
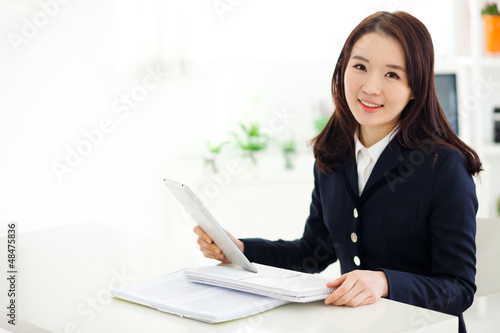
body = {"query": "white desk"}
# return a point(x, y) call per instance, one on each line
point(65, 275)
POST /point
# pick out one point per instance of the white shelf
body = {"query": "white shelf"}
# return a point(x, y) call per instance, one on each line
point(490, 150)
point(478, 68)
point(489, 61)
point(484, 61)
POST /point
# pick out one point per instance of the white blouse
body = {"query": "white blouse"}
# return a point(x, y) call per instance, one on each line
point(367, 157)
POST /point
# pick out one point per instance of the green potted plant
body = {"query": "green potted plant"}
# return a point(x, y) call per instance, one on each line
point(498, 206)
point(491, 26)
point(288, 148)
point(214, 148)
point(323, 114)
point(251, 140)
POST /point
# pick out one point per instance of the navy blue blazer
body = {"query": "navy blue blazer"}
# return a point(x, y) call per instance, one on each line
point(415, 220)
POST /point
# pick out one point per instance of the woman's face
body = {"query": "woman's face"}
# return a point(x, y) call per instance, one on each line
point(376, 83)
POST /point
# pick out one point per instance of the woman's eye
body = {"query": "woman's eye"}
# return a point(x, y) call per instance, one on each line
point(360, 67)
point(393, 75)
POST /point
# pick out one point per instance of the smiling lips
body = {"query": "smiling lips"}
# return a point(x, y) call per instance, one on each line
point(370, 107)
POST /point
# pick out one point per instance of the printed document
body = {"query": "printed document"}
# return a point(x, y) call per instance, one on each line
point(175, 294)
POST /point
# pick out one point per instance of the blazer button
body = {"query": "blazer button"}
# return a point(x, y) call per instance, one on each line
point(355, 213)
point(354, 237)
point(357, 262)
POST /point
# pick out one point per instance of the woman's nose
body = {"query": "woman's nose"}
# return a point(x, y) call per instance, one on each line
point(372, 85)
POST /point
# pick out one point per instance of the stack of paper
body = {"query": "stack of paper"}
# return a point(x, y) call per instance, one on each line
point(269, 281)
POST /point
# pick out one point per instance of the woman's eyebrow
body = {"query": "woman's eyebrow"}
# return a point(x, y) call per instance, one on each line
point(358, 57)
point(397, 67)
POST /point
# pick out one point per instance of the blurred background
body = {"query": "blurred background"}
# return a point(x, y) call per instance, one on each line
point(101, 100)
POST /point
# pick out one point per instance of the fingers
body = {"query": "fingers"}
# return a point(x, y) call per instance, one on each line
point(202, 235)
point(357, 288)
point(210, 250)
point(344, 291)
point(337, 282)
point(362, 298)
point(353, 297)
point(207, 246)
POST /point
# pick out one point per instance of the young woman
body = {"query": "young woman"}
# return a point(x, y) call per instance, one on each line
point(394, 200)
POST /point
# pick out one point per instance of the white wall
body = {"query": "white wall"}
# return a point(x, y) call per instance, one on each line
point(69, 76)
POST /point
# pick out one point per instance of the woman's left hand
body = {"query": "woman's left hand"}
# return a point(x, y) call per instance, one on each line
point(358, 288)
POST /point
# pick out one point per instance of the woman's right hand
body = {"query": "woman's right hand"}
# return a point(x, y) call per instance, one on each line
point(210, 249)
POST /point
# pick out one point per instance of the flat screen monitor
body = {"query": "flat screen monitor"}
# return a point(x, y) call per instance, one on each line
point(446, 88)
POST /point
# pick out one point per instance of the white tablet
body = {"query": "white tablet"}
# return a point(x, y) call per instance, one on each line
point(207, 222)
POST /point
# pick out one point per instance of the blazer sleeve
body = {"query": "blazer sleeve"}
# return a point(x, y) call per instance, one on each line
point(312, 253)
point(452, 223)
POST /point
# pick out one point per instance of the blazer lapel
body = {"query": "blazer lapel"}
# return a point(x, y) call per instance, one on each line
point(388, 160)
point(351, 179)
